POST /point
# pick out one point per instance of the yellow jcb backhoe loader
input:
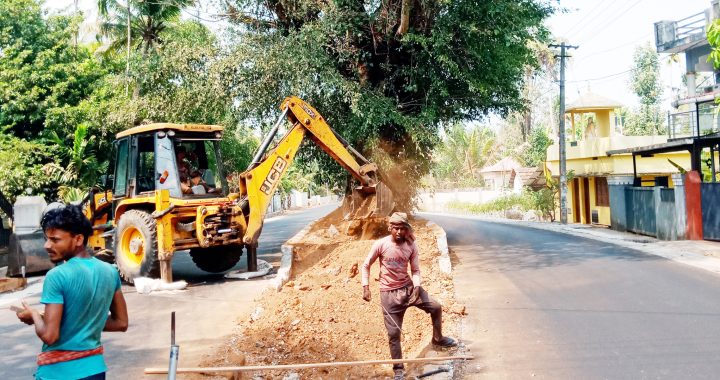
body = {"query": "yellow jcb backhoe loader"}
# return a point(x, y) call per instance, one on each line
point(153, 210)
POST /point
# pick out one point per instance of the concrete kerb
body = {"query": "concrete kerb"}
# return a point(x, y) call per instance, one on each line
point(679, 251)
point(286, 261)
point(441, 238)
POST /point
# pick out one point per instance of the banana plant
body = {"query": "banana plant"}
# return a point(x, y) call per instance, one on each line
point(78, 166)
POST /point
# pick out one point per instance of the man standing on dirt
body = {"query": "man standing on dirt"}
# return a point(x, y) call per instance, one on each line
point(77, 296)
point(399, 291)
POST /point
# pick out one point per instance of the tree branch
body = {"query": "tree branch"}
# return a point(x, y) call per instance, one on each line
point(404, 18)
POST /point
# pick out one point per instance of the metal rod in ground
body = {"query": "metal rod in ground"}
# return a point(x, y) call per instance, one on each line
point(174, 350)
point(433, 372)
point(161, 371)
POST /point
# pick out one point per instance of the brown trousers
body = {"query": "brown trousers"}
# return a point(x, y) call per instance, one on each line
point(395, 303)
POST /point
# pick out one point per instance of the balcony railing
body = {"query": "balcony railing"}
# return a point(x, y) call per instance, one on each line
point(703, 122)
point(672, 36)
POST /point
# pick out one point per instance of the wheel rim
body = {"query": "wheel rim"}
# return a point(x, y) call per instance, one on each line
point(132, 246)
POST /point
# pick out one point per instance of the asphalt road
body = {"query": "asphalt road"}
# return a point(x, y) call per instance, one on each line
point(544, 305)
point(206, 313)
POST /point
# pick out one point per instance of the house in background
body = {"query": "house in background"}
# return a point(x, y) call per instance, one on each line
point(594, 134)
point(529, 177)
point(690, 210)
point(695, 109)
point(500, 176)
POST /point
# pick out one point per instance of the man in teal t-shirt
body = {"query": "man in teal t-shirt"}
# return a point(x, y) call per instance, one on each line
point(78, 296)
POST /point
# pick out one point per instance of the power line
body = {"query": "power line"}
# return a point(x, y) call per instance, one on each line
point(608, 12)
point(613, 48)
point(591, 12)
point(600, 78)
point(622, 13)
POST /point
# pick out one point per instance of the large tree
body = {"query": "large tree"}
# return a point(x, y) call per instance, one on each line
point(645, 82)
point(387, 74)
point(40, 69)
point(463, 152)
point(149, 21)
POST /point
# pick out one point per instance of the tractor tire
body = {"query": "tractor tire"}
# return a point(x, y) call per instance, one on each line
point(136, 252)
point(216, 259)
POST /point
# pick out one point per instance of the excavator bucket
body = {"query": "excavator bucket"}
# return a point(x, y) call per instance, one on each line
point(27, 254)
point(375, 201)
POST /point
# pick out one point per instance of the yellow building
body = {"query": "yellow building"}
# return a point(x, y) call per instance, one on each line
point(593, 130)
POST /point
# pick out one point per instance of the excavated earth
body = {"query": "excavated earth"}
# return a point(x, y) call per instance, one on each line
point(320, 316)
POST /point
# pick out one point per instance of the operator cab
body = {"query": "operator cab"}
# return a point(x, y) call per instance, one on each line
point(181, 158)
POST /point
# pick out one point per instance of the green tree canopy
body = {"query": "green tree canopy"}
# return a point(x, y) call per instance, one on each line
point(645, 82)
point(39, 67)
point(534, 152)
point(461, 154)
point(386, 74)
point(149, 21)
point(645, 79)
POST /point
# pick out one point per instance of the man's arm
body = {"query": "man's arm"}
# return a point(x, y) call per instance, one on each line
point(118, 319)
point(415, 266)
point(47, 327)
point(369, 260)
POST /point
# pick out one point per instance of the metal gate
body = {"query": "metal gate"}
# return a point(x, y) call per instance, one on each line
point(710, 196)
point(640, 208)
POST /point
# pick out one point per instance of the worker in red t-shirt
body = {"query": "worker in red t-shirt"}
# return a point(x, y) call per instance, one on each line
point(398, 290)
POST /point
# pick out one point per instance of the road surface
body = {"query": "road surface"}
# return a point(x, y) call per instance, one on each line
point(205, 313)
point(544, 305)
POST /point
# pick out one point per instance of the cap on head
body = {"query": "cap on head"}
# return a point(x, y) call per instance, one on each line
point(399, 218)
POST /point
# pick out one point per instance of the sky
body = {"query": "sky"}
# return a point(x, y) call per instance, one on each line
point(607, 33)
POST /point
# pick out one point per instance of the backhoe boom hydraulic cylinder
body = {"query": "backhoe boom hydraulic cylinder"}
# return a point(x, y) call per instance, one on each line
point(268, 139)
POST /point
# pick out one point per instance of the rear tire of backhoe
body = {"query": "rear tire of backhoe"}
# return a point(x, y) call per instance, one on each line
point(216, 259)
point(136, 246)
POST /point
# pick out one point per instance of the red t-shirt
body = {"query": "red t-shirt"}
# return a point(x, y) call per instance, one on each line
point(394, 259)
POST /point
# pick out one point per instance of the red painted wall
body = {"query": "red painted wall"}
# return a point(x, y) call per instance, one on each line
point(693, 205)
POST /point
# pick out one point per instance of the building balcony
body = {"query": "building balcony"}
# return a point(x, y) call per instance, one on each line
point(677, 36)
point(701, 122)
point(598, 147)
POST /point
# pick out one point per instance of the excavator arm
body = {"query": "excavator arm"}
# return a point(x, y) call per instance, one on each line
point(259, 182)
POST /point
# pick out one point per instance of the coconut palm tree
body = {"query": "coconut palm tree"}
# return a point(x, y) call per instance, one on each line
point(148, 20)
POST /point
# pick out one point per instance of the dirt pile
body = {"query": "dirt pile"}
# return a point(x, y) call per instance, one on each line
point(320, 316)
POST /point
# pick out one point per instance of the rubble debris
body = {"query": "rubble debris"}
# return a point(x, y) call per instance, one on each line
point(353, 270)
point(337, 324)
point(145, 285)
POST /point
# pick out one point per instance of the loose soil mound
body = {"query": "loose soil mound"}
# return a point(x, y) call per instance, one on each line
point(320, 316)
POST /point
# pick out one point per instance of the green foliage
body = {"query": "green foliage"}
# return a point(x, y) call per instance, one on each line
point(182, 82)
point(645, 121)
point(384, 87)
point(150, 22)
point(70, 194)
point(237, 147)
point(645, 77)
point(21, 165)
point(713, 37)
point(535, 152)
point(522, 201)
point(39, 68)
point(645, 82)
point(82, 168)
point(543, 201)
point(461, 155)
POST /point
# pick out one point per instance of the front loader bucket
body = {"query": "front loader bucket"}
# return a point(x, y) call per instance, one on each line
point(368, 202)
point(27, 250)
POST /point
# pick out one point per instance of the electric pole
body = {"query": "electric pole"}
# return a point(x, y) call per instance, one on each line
point(561, 132)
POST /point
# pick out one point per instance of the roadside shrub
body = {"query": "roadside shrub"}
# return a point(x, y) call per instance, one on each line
point(540, 201)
